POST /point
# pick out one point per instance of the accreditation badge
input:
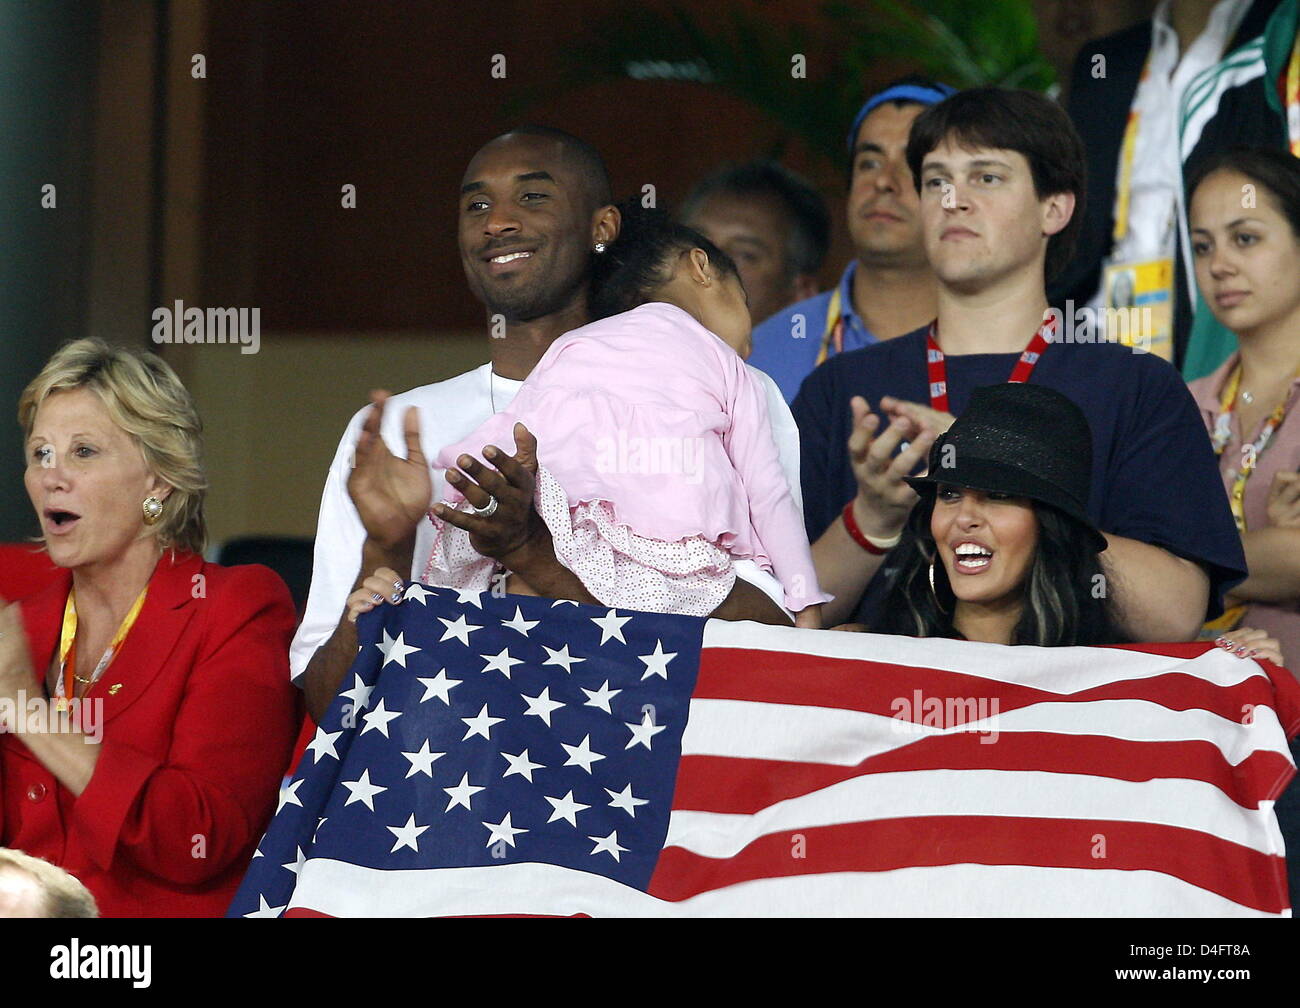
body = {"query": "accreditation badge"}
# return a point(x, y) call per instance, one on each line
point(1139, 305)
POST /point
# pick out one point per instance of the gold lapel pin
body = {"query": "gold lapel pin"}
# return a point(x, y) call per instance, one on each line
point(112, 690)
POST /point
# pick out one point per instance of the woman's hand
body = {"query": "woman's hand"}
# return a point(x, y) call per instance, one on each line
point(1245, 642)
point(884, 501)
point(16, 673)
point(384, 585)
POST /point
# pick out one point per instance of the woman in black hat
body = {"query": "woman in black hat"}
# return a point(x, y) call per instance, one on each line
point(1000, 547)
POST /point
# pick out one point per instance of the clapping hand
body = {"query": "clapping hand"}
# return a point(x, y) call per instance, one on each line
point(884, 500)
point(504, 518)
point(391, 494)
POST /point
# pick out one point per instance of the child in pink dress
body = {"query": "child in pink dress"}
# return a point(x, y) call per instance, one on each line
point(657, 470)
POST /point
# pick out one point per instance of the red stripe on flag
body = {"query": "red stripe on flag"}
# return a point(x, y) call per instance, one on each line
point(745, 786)
point(1236, 873)
point(878, 687)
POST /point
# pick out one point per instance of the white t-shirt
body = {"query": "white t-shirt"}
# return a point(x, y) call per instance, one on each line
point(449, 411)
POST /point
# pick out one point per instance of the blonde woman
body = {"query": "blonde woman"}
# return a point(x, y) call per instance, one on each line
point(146, 695)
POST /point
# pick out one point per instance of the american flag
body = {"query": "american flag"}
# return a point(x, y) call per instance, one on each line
point(521, 756)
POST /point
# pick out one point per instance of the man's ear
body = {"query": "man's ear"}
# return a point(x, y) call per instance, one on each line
point(1057, 211)
point(605, 225)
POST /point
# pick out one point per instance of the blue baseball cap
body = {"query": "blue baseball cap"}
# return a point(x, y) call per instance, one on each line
point(920, 93)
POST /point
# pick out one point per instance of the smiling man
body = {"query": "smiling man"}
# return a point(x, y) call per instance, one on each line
point(1000, 176)
point(533, 209)
point(888, 289)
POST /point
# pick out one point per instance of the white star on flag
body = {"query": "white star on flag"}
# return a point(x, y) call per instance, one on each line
point(359, 694)
point(289, 795)
point(378, 719)
point(264, 909)
point(563, 601)
point(657, 663)
point(611, 626)
point(521, 765)
point(467, 597)
point(395, 650)
point(561, 658)
point(362, 790)
point(480, 724)
point(517, 622)
point(601, 697)
point(460, 628)
point(582, 754)
point(565, 808)
point(542, 705)
point(416, 593)
point(502, 662)
point(461, 794)
point(626, 800)
point(607, 844)
point(322, 745)
point(407, 836)
point(439, 686)
point(422, 761)
point(502, 831)
point(644, 732)
point(296, 866)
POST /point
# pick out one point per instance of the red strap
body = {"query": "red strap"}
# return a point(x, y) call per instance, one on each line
point(937, 369)
point(851, 524)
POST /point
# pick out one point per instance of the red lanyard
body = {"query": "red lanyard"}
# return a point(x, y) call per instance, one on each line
point(938, 369)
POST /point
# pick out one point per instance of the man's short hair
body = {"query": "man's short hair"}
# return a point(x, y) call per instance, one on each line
point(582, 157)
point(1023, 121)
point(810, 231)
point(64, 896)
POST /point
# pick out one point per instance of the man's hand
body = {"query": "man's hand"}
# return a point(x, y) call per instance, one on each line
point(884, 500)
point(391, 494)
point(512, 482)
point(1284, 500)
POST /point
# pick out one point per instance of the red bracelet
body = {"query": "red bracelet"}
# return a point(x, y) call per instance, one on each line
point(860, 537)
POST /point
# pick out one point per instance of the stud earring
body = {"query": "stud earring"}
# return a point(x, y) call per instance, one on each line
point(600, 247)
point(152, 510)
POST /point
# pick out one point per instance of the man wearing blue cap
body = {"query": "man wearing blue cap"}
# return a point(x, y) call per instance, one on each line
point(889, 288)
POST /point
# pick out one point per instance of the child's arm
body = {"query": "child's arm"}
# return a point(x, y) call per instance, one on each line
point(775, 516)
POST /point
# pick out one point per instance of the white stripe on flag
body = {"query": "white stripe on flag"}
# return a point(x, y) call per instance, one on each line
point(994, 793)
point(748, 729)
point(1068, 669)
point(345, 890)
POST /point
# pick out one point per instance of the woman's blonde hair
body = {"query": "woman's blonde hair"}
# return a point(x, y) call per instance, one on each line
point(146, 400)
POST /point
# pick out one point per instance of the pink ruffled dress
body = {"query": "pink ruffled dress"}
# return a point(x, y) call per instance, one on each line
point(656, 469)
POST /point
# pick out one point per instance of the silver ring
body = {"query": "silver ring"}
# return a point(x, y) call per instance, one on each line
point(489, 511)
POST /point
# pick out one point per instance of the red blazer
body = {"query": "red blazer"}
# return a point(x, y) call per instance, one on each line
point(199, 720)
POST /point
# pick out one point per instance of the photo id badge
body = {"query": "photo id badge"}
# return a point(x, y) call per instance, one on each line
point(1139, 305)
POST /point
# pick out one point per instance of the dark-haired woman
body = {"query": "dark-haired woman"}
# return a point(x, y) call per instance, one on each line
point(657, 472)
point(1245, 230)
point(999, 548)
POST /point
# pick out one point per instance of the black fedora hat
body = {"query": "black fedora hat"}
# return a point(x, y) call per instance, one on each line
point(1018, 439)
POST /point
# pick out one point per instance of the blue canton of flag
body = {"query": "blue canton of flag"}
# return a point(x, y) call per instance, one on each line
point(476, 731)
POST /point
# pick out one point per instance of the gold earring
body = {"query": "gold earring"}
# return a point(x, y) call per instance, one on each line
point(152, 510)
